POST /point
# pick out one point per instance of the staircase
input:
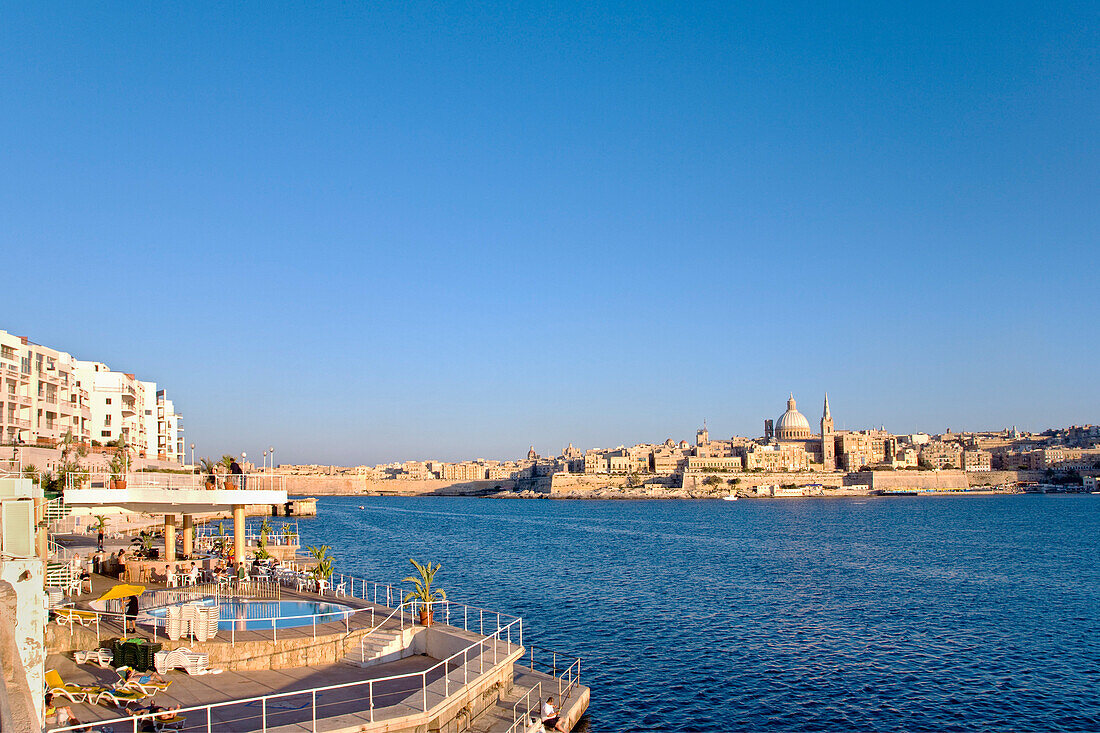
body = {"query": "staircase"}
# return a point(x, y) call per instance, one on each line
point(380, 645)
point(56, 510)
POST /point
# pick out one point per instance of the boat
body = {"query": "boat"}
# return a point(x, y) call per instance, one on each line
point(731, 497)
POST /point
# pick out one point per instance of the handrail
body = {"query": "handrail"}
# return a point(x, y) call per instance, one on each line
point(135, 720)
point(569, 678)
point(175, 481)
point(526, 717)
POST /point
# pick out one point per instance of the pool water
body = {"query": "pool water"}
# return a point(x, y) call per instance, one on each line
point(268, 614)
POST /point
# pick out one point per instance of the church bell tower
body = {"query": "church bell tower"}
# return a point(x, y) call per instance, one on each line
point(828, 441)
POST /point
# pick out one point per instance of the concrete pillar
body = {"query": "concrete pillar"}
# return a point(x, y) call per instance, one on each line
point(188, 543)
point(238, 533)
point(170, 537)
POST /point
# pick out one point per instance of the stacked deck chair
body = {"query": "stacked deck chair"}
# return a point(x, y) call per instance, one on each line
point(181, 658)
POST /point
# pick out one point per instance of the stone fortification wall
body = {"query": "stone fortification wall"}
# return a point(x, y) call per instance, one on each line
point(573, 484)
point(902, 480)
point(353, 485)
point(749, 481)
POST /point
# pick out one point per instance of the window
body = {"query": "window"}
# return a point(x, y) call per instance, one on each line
point(108, 400)
point(7, 352)
point(105, 433)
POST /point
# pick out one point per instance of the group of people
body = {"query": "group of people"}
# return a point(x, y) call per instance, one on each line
point(62, 715)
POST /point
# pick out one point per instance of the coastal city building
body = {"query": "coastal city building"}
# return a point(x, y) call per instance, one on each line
point(789, 445)
point(46, 394)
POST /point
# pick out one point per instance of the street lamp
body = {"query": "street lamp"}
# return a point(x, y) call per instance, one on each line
point(272, 449)
point(265, 461)
point(192, 456)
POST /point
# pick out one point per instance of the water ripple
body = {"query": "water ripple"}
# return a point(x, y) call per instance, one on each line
point(960, 614)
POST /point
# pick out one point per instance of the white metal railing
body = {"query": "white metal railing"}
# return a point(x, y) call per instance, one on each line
point(420, 693)
point(532, 708)
point(175, 481)
point(60, 551)
point(551, 662)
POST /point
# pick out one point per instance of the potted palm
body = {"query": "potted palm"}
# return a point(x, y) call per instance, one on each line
point(207, 467)
point(117, 467)
point(423, 591)
point(323, 570)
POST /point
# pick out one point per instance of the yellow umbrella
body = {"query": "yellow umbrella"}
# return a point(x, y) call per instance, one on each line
point(122, 590)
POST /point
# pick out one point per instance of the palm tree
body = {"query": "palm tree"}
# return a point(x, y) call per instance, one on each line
point(422, 589)
point(30, 471)
point(323, 569)
point(227, 461)
point(100, 523)
point(206, 467)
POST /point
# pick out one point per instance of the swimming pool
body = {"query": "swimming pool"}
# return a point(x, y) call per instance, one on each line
point(243, 614)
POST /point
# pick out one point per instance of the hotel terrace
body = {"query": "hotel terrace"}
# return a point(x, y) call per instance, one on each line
point(267, 646)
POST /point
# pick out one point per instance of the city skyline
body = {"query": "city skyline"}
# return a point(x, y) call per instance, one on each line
point(364, 233)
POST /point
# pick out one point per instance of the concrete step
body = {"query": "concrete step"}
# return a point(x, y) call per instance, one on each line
point(381, 645)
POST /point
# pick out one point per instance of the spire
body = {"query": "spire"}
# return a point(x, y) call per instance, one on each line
point(826, 414)
point(790, 402)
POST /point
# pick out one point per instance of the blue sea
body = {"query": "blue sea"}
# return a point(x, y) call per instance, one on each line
point(880, 614)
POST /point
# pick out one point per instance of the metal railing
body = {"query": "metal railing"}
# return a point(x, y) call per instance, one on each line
point(175, 481)
point(532, 708)
point(421, 693)
point(550, 662)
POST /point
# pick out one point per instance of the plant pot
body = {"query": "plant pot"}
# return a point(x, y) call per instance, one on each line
point(426, 617)
point(118, 483)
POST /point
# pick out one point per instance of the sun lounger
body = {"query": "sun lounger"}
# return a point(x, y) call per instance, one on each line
point(75, 693)
point(70, 616)
point(148, 686)
point(181, 658)
point(99, 657)
point(119, 696)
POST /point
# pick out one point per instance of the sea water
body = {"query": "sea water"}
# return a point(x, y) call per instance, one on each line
point(911, 613)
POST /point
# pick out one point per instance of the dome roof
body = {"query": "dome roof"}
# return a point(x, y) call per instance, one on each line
point(792, 419)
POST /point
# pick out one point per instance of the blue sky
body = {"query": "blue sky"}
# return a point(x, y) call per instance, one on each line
point(364, 233)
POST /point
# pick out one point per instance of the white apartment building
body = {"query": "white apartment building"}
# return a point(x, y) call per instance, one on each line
point(45, 393)
point(40, 398)
point(163, 426)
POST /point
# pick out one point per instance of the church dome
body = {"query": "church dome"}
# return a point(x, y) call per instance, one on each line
point(792, 424)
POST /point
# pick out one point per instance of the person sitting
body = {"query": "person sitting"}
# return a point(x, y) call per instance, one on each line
point(193, 574)
point(59, 715)
point(550, 719)
point(157, 713)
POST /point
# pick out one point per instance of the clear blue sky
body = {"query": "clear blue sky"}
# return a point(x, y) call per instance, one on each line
point(367, 232)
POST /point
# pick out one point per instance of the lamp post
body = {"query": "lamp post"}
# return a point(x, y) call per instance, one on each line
point(265, 462)
point(272, 450)
point(192, 457)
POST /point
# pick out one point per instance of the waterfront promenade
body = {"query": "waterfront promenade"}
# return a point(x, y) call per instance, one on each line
point(322, 676)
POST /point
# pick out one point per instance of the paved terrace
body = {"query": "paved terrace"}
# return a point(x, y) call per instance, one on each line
point(396, 701)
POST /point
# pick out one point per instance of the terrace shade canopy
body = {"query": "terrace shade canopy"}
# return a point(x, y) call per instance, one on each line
point(122, 590)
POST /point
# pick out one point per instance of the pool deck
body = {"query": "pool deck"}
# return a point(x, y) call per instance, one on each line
point(341, 708)
point(299, 661)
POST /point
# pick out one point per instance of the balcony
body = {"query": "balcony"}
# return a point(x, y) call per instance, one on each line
point(175, 493)
point(26, 424)
point(22, 399)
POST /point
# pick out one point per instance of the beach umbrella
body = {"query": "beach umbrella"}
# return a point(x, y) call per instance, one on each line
point(122, 590)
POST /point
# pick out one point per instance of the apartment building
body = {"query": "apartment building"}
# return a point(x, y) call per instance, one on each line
point(45, 394)
point(40, 398)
